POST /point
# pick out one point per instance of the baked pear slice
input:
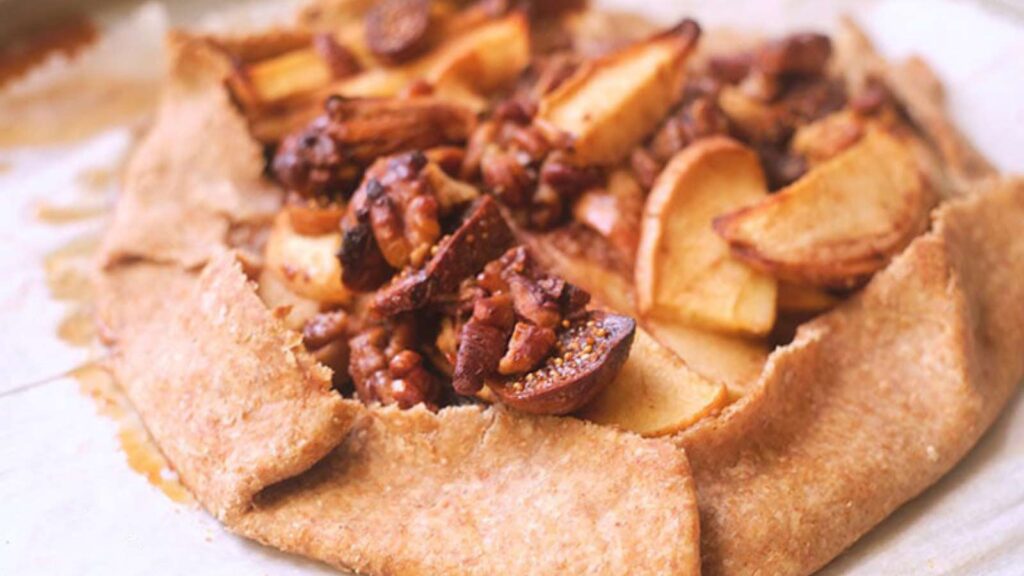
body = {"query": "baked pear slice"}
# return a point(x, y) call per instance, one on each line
point(307, 265)
point(656, 393)
point(840, 223)
point(684, 270)
point(610, 104)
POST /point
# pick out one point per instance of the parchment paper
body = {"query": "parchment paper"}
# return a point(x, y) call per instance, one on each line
point(70, 502)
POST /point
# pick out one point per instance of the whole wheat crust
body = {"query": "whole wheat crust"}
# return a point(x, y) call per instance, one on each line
point(868, 406)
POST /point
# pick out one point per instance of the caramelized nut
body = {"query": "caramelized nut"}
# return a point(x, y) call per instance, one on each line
point(799, 54)
point(324, 328)
point(529, 345)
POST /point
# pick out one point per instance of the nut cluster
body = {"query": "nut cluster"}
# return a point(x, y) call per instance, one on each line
point(394, 218)
point(759, 97)
point(386, 368)
point(514, 312)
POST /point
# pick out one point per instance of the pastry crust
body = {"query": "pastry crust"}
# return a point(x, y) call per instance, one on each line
point(471, 491)
point(198, 165)
point(233, 399)
point(871, 404)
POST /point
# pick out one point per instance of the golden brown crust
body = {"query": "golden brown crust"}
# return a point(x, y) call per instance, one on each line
point(232, 397)
point(198, 165)
point(486, 492)
point(873, 402)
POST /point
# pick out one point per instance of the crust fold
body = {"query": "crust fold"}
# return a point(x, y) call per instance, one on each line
point(486, 492)
point(198, 166)
point(873, 402)
point(232, 398)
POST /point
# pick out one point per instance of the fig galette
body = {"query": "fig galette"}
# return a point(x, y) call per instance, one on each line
point(437, 287)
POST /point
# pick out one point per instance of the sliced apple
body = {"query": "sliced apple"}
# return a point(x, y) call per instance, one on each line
point(485, 58)
point(614, 211)
point(684, 271)
point(841, 222)
point(307, 265)
point(803, 299)
point(732, 360)
point(582, 257)
point(610, 104)
point(292, 309)
point(463, 69)
point(827, 137)
point(655, 393)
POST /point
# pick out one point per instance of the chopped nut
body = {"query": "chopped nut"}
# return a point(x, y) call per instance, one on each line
point(529, 345)
point(402, 380)
point(324, 328)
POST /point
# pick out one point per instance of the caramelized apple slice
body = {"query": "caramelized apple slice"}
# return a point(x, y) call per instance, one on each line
point(656, 393)
point(482, 237)
point(841, 222)
point(802, 299)
point(590, 352)
point(483, 58)
point(731, 360)
point(684, 271)
point(827, 137)
point(293, 72)
point(310, 217)
point(307, 265)
point(461, 70)
point(609, 105)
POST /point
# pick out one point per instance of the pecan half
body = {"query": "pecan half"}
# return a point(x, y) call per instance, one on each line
point(482, 342)
point(326, 337)
point(386, 368)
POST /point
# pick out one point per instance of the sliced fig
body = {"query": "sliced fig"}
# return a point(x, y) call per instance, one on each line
point(588, 355)
point(483, 236)
point(396, 30)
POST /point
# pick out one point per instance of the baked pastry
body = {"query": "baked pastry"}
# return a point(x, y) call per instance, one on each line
point(416, 287)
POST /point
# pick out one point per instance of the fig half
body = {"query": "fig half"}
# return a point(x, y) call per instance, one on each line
point(483, 236)
point(588, 355)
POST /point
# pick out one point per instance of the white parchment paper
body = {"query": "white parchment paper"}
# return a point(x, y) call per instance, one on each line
point(70, 503)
